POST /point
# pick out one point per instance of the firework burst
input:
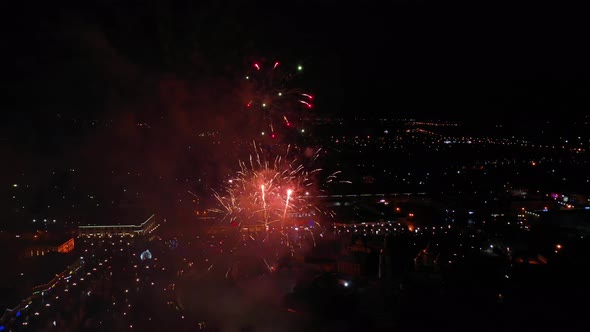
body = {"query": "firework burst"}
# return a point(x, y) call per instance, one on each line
point(269, 190)
point(269, 94)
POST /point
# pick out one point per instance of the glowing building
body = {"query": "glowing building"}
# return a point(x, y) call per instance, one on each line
point(145, 228)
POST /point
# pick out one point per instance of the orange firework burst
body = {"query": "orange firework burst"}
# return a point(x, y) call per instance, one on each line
point(266, 191)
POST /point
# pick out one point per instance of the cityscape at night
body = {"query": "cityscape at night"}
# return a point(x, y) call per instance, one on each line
point(302, 166)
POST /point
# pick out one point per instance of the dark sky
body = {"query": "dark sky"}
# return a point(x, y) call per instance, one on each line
point(401, 58)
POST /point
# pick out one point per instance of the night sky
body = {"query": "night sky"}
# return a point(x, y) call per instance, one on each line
point(399, 57)
point(80, 76)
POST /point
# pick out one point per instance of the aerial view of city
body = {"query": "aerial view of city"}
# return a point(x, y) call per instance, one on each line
point(301, 166)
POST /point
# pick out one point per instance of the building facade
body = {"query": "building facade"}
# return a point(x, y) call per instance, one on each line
point(145, 228)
